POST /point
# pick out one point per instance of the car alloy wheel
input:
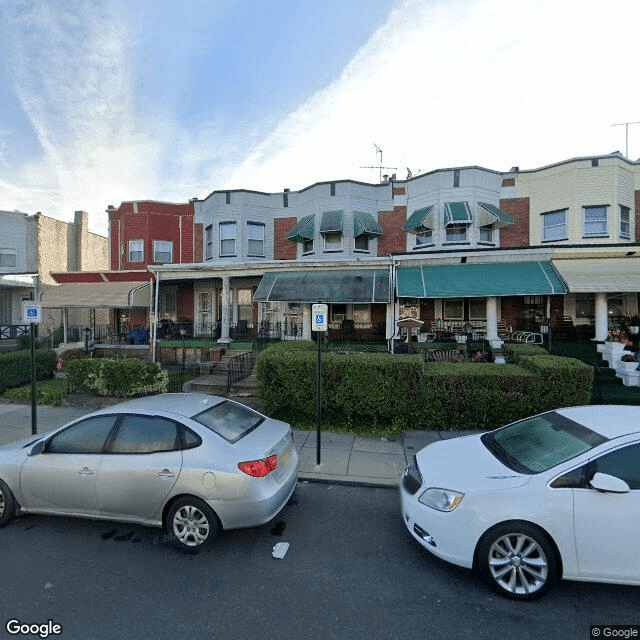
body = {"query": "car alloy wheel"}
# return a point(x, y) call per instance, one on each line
point(191, 523)
point(518, 561)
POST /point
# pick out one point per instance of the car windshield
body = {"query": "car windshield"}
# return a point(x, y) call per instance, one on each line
point(536, 444)
point(230, 420)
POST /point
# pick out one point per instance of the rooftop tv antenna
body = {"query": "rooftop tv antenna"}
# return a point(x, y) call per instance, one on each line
point(379, 166)
point(626, 135)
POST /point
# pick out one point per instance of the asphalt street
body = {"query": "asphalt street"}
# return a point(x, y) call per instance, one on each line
point(351, 571)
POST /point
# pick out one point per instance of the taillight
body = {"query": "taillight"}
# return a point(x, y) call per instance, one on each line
point(259, 468)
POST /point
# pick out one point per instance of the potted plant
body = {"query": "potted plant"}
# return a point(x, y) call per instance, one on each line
point(634, 325)
point(628, 362)
point(543, 324)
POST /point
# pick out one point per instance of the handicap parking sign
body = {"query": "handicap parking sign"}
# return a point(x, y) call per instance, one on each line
point(319, 317)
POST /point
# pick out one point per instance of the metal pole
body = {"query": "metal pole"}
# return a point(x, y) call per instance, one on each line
point(34, 419)
point(318, 405)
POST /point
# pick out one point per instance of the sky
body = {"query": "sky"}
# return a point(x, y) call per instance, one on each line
point(104, 101)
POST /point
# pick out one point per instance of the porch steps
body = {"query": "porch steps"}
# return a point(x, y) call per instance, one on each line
point(214, 382)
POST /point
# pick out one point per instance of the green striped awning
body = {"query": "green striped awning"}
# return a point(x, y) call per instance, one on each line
point(356, 285)
point(331, 222)
point(364, 224)
point(479, 280)
point(457, 213)
point(302, 230)
point(420, 218)
point(489, 214)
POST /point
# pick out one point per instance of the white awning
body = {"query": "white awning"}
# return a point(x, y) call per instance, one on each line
point(94, 295)
point(605, 275)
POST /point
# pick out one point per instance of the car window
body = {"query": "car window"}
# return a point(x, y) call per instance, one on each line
point(230, 420)
point(574, 479)
point(623, 463)
point(87, 436)
point(538, 443)
point(191, 439)
point(145, 434)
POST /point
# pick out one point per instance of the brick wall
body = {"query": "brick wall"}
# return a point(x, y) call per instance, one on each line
point(516, 235)
point(283, 249)
point(393, 238)
point(511, 310)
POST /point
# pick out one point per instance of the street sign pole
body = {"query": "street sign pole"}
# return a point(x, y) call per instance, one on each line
point(34, 413)
point(32, 311)
point(319, 324)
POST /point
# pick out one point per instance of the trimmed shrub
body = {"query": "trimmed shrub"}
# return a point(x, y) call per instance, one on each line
point(374, 392)
point(117, 378)
point(15, 366)
point(515, 350)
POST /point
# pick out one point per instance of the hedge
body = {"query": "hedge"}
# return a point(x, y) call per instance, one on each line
point(15, 366)
point(366, 392)
point(116, 378)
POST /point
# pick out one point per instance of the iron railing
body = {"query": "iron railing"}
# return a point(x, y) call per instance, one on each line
point(12, 331)
point(240, 367)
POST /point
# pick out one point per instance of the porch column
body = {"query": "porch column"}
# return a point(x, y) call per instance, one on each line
point(602, 317)
point(226, 311)
point(492, 323)
point(306, 322)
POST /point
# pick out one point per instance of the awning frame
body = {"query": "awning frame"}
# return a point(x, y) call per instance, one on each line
point(420, 218)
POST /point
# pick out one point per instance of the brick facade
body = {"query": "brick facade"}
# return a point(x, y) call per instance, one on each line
point(283, 249)
point(149, 221)
point(394, 238)
point(516, 235)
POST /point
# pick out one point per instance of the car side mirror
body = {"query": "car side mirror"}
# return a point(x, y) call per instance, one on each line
point(609, 484)
point(37, 448)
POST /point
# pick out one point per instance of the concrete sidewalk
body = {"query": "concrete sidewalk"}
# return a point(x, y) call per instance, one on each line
point(347, 459)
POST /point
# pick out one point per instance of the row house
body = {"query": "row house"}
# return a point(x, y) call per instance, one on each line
point(449, 246)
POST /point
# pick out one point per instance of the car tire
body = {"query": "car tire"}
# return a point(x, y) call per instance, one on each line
point(517, 560)
point(7, 504)
point(191, 524)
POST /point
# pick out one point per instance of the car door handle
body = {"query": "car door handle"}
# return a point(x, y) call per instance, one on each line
point(85, 471)
point(165, 473)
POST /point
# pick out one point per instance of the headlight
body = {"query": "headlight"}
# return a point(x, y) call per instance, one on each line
point(441, 499)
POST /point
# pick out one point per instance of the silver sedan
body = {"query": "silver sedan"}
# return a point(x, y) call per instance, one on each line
point(191, 463)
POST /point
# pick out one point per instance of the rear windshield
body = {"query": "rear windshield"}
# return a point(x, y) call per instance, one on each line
point(230, 420)
point(536, 444)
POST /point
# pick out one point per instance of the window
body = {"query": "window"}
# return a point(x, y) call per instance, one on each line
point(585, 305)
point(307, 247)
point(162, 251)
point(456, 233)
point(338, 312)
point(615, 304)
point(87, 436)
point(255, 239)
point(230, 420)
point(625, 229)
point(361, 242)
point(623, 463)
point(554, 225)
point(453, 309)
point(424, 236)
point(8, 258)
point(333, 241)
point(486, 234)
point(244, 305)
point(227, 239)
point(477, 308)
point(208, 242)
point(362, 313)
point(136, 250)
point(595, 222)
point(145, 434)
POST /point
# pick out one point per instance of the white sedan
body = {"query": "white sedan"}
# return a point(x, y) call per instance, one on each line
point(552, 496)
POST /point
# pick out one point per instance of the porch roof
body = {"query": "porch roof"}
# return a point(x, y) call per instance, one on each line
point(355, 285)
point(95, 295)
point(606, 275)
point(479, 280)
